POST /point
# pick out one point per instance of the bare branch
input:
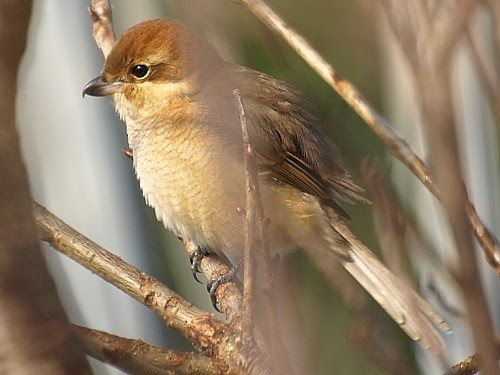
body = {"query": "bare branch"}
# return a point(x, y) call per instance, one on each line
point(177, 312)
point(102, 25)
point(228, 294)
point(202, 329)
point(396, 145)
point(137, 357)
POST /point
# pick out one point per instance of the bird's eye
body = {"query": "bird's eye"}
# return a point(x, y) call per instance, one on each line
point(139, 71)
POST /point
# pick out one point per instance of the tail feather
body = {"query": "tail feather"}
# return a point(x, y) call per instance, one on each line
point(415, 315)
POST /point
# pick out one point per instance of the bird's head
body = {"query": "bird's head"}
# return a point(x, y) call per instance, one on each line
point(153, 62)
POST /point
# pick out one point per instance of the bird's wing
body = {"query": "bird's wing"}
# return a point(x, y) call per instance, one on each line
point(288, 144)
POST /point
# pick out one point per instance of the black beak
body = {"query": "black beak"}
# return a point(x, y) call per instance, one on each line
point(99, 87)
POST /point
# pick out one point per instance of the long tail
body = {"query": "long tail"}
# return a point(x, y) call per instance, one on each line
point(415, 315)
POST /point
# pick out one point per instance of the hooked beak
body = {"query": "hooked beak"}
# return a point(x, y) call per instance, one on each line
point(99, 87)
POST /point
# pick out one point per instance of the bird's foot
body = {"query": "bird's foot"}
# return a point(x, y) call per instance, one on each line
point(214, 284)
point(196, 258)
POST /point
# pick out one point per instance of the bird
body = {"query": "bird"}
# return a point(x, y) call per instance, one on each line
point(175, 94)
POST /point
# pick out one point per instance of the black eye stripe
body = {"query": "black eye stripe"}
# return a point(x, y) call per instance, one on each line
point(139, 70)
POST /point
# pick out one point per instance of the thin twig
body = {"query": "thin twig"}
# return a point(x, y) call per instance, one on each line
point(102, 25)
point(390, 223)
point(379, 125)
point(137, 357)
point(256, 243)
point(252, 242)
point(470, 365)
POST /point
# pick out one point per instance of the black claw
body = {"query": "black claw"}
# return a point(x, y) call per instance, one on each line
point(214, 284)
point(195, 259)
point(212, 288)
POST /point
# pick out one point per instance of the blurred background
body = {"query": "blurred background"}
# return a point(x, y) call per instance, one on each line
point(72, 150)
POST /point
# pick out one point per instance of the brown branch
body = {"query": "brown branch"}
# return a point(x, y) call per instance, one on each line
point(470, 365)
point(102, 25)
point(177, 312)
point(137, 357)
point(396, 145)
point(345, 89)
point(228, 294)
point(202, 329)
point(485, 238)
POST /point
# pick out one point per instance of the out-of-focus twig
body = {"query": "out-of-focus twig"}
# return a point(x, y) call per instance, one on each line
point(35, 334)
point(252, 242)
point(371, 339)
point(494, 6)
point(395, 144)
point(448, 30)
point(486, 72)
point(389, 220)
point(432, 78)
point(256, 244)
point(394, 224)
point(137, 357)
